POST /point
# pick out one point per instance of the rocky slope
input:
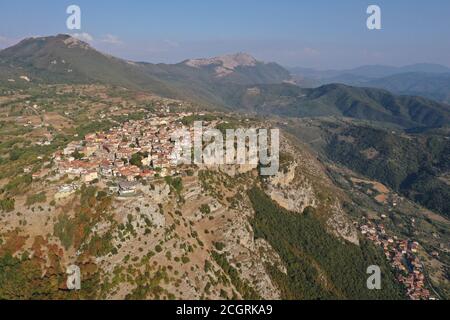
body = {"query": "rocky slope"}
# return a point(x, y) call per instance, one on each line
point(195, 243)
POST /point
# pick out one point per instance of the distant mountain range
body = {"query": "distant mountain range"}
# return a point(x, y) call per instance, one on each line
point(433, 86)
point(427, 80)
point(236, 82)
point(369, 71)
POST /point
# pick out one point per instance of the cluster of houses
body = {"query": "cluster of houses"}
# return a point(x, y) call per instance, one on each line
point(138, 149)
point(402, 256)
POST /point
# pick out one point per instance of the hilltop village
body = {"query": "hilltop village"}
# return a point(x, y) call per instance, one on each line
point(135, 151)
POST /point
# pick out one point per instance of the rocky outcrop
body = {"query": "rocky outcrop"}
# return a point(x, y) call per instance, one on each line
point(340, 225)
point(158, 192)
point(291, 190)
point(227, 62)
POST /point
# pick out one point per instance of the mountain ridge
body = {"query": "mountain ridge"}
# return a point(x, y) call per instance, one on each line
point(62, 58)
point(342, 101)
point(224, 82)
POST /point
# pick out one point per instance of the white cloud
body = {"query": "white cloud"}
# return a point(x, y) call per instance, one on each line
point(3, 39)
point(112, 39)
point(83, 37)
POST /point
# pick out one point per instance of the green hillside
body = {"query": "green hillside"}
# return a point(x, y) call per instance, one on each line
point(433, 86)
point(312, 256)
point(412, 165)
point(340, 100)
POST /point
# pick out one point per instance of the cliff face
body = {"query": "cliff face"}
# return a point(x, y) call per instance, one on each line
point(302, 183)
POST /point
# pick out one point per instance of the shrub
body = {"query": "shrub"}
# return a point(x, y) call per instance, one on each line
point(7, 205)
point(36, 198)
point(219, 246)
point(185, 260)
point(205, 209)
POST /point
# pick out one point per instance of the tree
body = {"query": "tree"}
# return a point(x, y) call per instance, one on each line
point(77, 155)
point(136, 159)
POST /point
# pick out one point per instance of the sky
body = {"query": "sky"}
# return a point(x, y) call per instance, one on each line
point(322, 34)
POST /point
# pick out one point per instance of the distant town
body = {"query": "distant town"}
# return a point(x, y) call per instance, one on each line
point(402, 256)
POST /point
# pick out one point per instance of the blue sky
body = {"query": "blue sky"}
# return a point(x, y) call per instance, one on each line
point(321, 33)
